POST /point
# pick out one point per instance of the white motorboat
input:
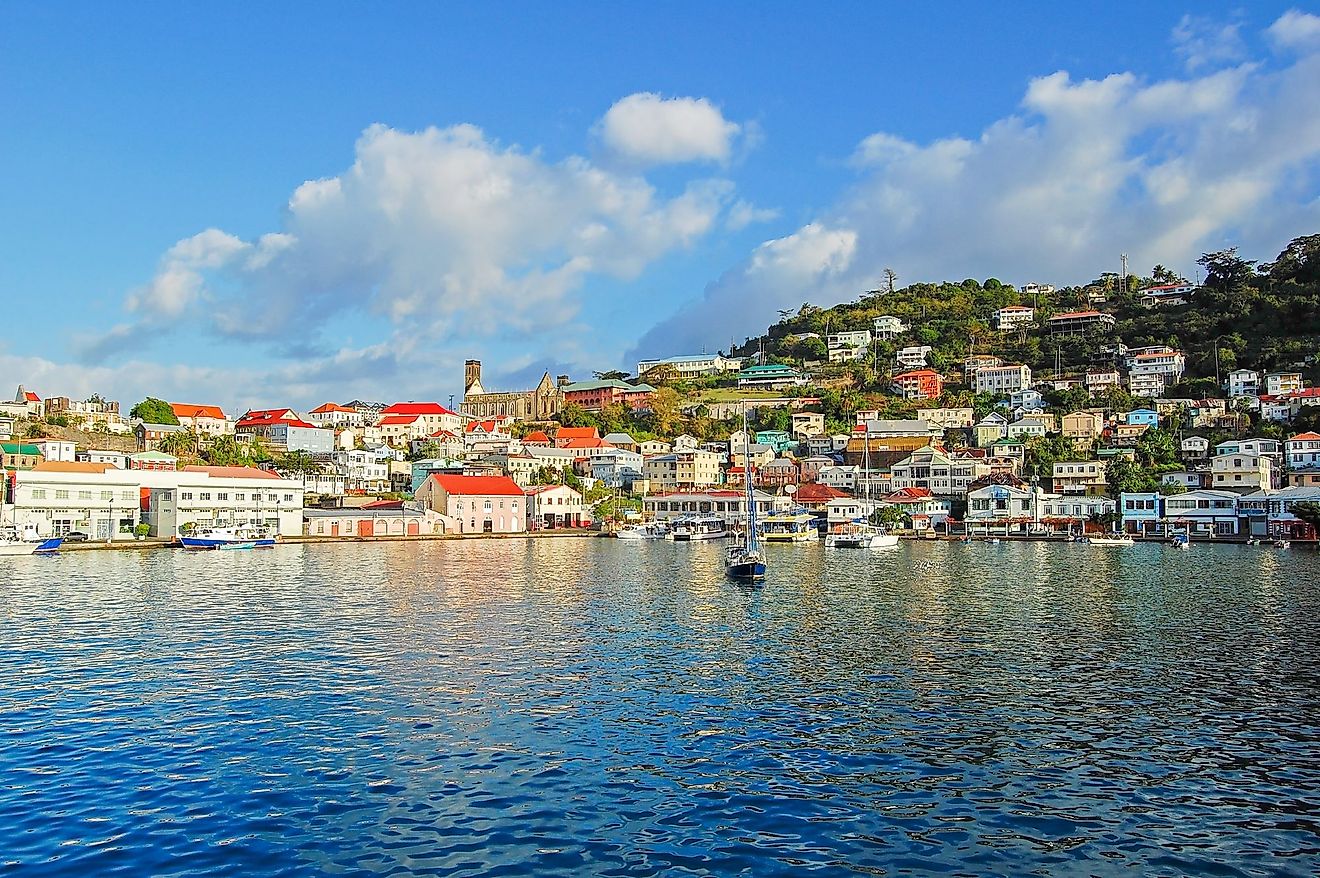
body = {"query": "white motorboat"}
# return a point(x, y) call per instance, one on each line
point(651, 530)
point(699, 527)
point(860, 535)
point(237, 537)
point(1112, 540)
point(14, 542)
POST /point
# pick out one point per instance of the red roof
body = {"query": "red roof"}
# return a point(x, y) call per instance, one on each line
point(1310, 437)
point(577, 433)
point(30, 396)
point(267, 416)
point(331, 407)
point(395, 420)
point(489, 426)
point(187, 410)
point(813, 492)
point(909, 495)
point(232, 472)
point(383, 504)
point(536, 436)
point(443, 434)
point(482, 486)
point(587, 443)
point(417, 408)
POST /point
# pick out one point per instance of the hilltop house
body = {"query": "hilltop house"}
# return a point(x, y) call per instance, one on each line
point(204, 420)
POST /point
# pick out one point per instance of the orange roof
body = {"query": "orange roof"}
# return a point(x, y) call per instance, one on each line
point(68, 466)
point(394, 420)
point(232, 472)
point(30, 396)
point(577, 433)
point(814, 492)
point(1307, 436)
point(188, 410)
point(536, 436)
point(481, 486)
point(917, 373)
point(909, 495)
point(443, 434)
point(331, 407)
point(417, 408)
point(487, 426)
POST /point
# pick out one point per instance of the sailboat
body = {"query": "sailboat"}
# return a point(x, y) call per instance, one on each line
point(860, 533)
point(744, 561)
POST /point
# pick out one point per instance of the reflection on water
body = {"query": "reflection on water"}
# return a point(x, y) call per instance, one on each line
point(592, 707)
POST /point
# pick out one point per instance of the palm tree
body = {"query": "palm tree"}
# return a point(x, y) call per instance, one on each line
point(182, 443)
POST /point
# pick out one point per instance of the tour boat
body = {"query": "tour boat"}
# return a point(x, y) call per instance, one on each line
point(792, 526)
point(235, 537)
point(861, 535)
point(698, 527)
point(1112, 540)
point(651, 530)
point(14, 543)
point(744, 562)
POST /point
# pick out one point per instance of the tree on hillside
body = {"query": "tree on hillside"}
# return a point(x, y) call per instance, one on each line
point(298, 462)
point(574, 415)
point(612, 375)
point(1156, 448)
point(225, 451)
point(891, 279)
point(1125, 476)
point(1042, 452)
point(183, 443)
point(154, 411)
point(1309, 512)
point(666, 413)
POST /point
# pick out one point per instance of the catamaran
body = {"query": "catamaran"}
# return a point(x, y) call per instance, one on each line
point(744, 561)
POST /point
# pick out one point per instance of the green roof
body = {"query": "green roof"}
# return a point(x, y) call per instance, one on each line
point(152, 455)
point(769, 367)
point(612, 382)
point(19, 448)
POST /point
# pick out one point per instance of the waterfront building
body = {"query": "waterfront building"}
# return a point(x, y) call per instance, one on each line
point(475, 504)
point(94, 498)
point(1007, 506)
point(1302, 453)
point(541, 403)
point(395, 518)
point(729, 505)
point(1141, 512)
point(1204, 513)
point(556, 506)
point(1270, 513)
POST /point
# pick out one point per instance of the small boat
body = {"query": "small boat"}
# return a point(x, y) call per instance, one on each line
point(235, 537)
point(793, 526)
point(651, 530)
point(861, 535)
point(16, 543)
point(1112, 540)
point(1283, 544)
point(1180, 541)
point(698, 527)
point(744, 562)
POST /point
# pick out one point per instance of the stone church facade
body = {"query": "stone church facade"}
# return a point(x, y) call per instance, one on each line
point(541, 403)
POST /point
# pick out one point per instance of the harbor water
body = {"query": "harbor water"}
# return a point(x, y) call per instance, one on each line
point(597, 707)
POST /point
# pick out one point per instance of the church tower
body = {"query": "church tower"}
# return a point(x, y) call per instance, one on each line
point(472, 378)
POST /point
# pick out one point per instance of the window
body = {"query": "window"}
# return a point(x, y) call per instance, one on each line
point(38, 493)
point(107, 495)
point(185, 495)
point(84, 495)
point(223, 495)
point(240, 496)
point(204, 495)
point(288, 498)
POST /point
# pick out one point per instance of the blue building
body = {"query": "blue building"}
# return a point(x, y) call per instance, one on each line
point(1142, 512)
point(1149, 417)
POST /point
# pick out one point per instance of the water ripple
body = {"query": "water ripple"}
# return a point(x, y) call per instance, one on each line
point(593, 708)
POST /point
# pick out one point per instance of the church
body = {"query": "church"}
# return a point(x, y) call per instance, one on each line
point(539, 404)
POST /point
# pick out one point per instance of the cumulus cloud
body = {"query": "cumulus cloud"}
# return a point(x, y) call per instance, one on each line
point(1085, 170)
point(427, 229)
point(651, 129)
point(1296, 29)
point(743, 214)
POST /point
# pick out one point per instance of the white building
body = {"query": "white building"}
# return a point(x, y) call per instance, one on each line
point(842, 477)
point(1101, 380)
point(1242, 382)
point(207, 421)
point(1241, 473)
point(1167, 364)
point(1026, 428)
point(57, 449)
point(364, 471)
point(1001, 380)
point(1146, 386)
point(888, 327)
point(1013, 317)
point(1203, 513)
point(945, 475)
point(1279, 383)
point(93, 498)
point(729, 505)
point(683, 470)
point(556, 506)
point(692, 366)
point(847, 346)
point(913, 357)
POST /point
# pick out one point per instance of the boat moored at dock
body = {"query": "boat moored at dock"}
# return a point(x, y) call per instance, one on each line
point(699, 527)
point(235, 537)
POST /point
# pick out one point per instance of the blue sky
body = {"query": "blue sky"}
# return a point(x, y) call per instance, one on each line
point(569, 186)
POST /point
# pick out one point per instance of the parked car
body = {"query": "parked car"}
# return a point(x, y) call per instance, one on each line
point(76, 536)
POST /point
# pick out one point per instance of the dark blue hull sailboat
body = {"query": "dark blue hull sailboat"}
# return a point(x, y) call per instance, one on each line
point(744, 562)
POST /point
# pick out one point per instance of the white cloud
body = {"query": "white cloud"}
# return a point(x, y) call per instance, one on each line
point(651, 129)
point(1088, 169)
point(1296, 30)
point(1202, 42)
point(743, 214)
point(429, 229)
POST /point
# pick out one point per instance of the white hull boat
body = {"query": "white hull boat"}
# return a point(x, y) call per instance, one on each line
point(1111, 541)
